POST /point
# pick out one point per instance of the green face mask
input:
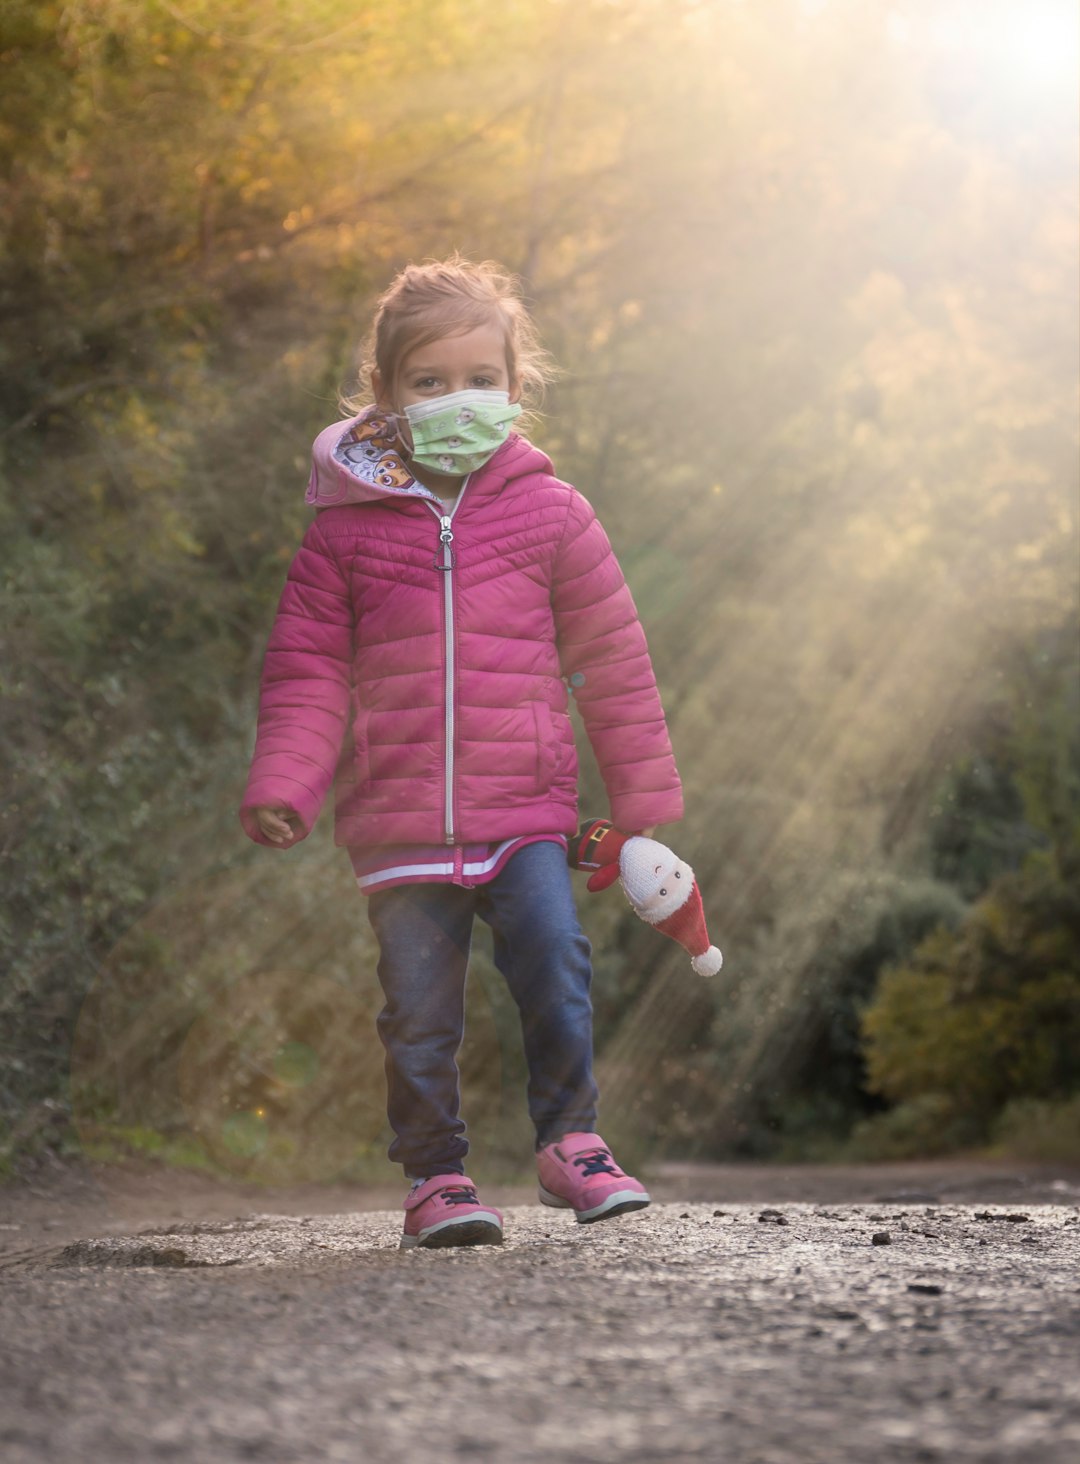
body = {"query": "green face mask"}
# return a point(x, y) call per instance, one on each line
point(459, 432)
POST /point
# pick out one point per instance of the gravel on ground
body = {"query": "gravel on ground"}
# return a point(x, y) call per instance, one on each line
point(896, 1325)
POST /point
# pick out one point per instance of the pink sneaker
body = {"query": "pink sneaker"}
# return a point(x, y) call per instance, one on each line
point(445, 1210)
point(578, 1173)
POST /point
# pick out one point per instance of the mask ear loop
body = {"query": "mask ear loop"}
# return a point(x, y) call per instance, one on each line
point(393, 421)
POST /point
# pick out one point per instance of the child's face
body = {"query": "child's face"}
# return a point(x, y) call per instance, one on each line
point(474, 361)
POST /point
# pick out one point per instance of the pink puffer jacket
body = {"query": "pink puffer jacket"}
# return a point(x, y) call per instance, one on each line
point(423, 662)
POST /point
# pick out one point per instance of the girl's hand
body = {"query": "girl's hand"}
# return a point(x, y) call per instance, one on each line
point(277, 823)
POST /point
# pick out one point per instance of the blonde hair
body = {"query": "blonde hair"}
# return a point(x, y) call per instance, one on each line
point(425, 302)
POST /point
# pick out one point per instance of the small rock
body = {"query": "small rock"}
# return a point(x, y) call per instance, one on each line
point(881, 1237)
point(718, 1212)
point(773, 1217)
point(925, 1288)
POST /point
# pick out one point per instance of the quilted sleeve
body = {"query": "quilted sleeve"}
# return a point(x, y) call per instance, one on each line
point(304, 695)
point(602, 651)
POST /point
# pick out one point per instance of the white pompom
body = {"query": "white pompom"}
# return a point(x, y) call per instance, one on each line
point(709, 963)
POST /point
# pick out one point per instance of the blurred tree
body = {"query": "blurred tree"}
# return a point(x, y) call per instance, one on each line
point(816, 310)
point(989, 1014)
point(1015, 789)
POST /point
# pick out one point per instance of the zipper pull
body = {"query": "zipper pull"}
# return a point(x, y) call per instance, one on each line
point(446, 538)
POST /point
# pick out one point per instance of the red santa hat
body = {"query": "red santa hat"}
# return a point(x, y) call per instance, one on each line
point(687, 926)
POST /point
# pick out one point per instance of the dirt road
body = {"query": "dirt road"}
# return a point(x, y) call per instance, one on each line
point(731, 1321)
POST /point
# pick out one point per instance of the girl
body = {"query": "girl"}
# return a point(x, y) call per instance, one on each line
point(448, 592)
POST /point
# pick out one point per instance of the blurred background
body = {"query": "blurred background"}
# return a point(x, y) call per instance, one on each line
point(810, 271)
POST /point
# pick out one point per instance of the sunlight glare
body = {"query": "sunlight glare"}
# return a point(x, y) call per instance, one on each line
point(1034, 43)
point(1042, 44)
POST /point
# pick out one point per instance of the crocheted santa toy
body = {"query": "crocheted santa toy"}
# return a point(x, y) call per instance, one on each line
point(659, 885)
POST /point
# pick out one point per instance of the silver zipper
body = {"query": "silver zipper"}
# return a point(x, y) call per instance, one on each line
point(445, 564)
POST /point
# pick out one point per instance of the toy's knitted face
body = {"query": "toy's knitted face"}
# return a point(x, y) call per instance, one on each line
point(656, 881)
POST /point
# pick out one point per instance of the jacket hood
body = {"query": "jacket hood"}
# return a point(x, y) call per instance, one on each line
point(361, 460)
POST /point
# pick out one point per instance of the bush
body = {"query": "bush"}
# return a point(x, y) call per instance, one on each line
point(789, 1068)
point(1032, 1129)
point(920, 1128)
point(988, 1014)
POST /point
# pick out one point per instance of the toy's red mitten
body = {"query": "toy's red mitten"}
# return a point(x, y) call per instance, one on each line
point(597, 846)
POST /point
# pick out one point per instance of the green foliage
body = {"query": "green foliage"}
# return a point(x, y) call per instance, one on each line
point(1034, 1129)
point(978, 830)
point(1047, 742)
point(975, 1039)
point(921, 1127)
point(988, 1014)
point(1016, 790)
point(786, 1044)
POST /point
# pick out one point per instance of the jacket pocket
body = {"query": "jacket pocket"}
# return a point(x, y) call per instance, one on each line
point(546, 750)
point(361, 757)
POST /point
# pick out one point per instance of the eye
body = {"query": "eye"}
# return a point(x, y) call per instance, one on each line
point(663, 892)
point(483, 383)
point(425, 383)
point(678, 875)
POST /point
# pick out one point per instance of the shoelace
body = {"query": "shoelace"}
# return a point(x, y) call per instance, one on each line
point(462, 1195)
point(595, 1161)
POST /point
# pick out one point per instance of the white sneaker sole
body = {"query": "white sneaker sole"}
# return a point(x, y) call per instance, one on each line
point(618, 1203)
point(482, 1228)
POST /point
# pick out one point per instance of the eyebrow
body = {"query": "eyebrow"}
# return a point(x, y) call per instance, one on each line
point(434, 370)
